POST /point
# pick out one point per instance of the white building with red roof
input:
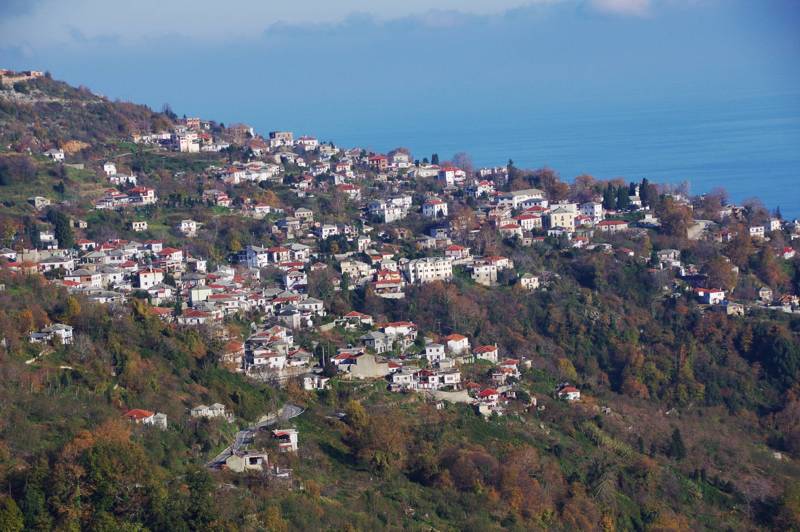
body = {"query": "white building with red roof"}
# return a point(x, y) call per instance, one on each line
point(146, 417)
point(457, 343)
point(457, 253)
point(434, 208)
point(486, 352)
point(612, 226)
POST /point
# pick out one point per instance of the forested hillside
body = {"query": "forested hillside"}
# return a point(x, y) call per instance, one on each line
point(689, 417)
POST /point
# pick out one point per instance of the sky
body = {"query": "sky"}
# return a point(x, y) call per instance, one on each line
point(408, 72)
point(315, 62)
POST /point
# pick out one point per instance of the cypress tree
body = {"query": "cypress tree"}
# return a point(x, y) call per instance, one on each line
point(677, 449)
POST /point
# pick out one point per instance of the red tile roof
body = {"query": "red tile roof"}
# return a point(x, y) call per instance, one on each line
point(138, 414)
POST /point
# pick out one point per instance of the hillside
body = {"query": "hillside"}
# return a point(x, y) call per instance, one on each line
point(44, 113)
point(687, 415)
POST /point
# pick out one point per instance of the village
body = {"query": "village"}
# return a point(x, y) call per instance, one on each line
point(415, 222)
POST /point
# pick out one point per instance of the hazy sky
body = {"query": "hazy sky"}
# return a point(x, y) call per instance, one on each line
point(307, 62)
point(34, 24)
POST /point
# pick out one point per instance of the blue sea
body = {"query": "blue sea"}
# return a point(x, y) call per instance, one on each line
point(748, 144)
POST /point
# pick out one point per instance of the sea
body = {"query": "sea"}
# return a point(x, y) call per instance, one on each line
point(748, 144)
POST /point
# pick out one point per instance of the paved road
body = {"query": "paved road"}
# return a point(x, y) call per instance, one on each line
point(245, 437)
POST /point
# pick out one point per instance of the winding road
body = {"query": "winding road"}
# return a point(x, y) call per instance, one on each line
point(245, 437)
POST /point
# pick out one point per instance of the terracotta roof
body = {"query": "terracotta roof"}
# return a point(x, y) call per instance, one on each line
point(138, 414)
point(399, 324)
point(192, 313)
point(485, 349)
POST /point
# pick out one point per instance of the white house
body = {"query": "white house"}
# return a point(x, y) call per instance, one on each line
point(457, 343)
point(295, 280)
point(434, 208)
point(85, 278)
point(757, 231)
point(307, 143)
point(593, 210)
point(328, 230)
point(569, 393)
point(315, 382)
point(529, 282)
point(48, 334)
point(287, 440)
point(55, 154)
point(188, 227)
point(516, 198)
point(486, 352)
point(215, 410)
point(710, 296)
point(434, 352)
point(149, 278)
point(612, 226)
point(484, 273)
point(457, 253)
point(146, 417)
point(451, 175)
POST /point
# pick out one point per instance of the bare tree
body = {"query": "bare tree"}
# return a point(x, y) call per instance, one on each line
point(464, 161)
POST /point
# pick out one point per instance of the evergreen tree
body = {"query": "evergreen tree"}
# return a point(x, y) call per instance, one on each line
point(11, 518)
point(623, 199)
point(609, 198)
point(677, 449)
point(435, 158)
point(644, 191)
point(201, 511)
point(63, 231)
point(60, 188)
point(178, 308)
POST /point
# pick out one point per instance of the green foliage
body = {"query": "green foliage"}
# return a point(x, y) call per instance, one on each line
point(11, 518)
point(654, 368)
point(676, 448)
point(63, 229)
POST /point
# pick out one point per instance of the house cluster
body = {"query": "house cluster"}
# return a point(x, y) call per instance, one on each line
point(135, 197)
point(415, 223)
point(257, 461)
point(109, 271)
point(191, 135)
point(271, 353)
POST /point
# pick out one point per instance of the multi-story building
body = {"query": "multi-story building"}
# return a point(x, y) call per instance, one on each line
point(280, 138)
point(563, 218)
point(435, 208)
point(429, 269)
